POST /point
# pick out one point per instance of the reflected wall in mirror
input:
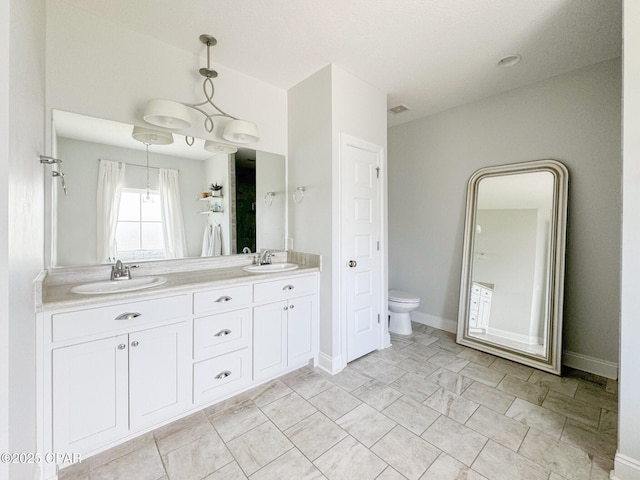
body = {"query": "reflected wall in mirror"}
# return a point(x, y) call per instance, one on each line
point(87, 144)
point(511, 293)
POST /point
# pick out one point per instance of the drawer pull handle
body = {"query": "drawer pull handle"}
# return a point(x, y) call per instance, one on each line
point(222, 375)
point(288, 287)
point(226, 298)
point(223, 333)
point(128, 316)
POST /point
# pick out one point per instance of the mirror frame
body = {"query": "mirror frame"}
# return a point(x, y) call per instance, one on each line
point(551, 360)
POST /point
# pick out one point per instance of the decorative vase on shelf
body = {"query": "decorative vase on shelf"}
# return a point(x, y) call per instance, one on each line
point(216, 190)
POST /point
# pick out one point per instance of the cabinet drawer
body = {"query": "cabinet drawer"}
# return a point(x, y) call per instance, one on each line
point(112, 318)
point(475, 289)
point(221, 333)
point(221, 299)
point(284, 288)
point(221, 375)
point(486, 293)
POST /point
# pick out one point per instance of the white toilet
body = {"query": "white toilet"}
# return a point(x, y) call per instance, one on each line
point(400, 304)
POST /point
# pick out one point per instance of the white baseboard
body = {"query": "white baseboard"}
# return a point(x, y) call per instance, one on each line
point(625, 468)
point(590, 364)
point(435, 322)
point(330, 364)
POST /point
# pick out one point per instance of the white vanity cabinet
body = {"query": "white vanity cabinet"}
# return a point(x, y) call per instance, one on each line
point(480, 307)
point(284, 332)
point(103, 388)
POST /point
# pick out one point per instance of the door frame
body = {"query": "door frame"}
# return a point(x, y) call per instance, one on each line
point(339, 291)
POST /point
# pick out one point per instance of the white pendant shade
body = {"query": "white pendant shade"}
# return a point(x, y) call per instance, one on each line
point(151, 137)
point(217, 147)
point(241, 131)
point(167, 114)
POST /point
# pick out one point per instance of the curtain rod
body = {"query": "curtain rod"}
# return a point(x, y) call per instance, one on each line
point(136, 165)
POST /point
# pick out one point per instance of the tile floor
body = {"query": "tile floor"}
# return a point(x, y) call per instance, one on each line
point(425, 409)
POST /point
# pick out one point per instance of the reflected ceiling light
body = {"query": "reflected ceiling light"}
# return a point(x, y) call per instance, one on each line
point(509, 60)
point(171, 114)
point(217, 147)
point(151, 137)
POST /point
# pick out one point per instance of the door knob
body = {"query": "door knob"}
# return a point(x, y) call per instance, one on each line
point(352, 263)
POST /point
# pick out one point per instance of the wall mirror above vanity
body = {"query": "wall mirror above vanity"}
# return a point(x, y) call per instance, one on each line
point(249, 212)
point(511, 293)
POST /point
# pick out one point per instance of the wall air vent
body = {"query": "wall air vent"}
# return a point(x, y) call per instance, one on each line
point(398, 109)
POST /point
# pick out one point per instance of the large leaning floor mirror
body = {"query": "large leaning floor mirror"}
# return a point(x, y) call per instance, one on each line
point(511, 297)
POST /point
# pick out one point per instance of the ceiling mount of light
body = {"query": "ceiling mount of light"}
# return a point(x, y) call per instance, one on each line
point(175, 115)
point(509, 60)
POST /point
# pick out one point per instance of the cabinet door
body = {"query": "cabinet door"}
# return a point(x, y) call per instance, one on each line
point(158, 374)
point(269, 340)
point(301, 330)
point(89, 394)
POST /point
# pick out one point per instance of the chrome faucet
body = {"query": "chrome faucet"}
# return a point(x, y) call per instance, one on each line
point(264, 258)
point(120, 271)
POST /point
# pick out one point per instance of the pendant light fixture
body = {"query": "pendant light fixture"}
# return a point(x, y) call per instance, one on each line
point(175, 115)
point(150, 137)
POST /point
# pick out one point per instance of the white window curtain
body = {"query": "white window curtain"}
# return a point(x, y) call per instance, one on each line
point(175, 242)
point(110, 182)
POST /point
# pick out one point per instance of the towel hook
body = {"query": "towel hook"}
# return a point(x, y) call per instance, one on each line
point(44, 159)
point(298, 195)
point(268, 198)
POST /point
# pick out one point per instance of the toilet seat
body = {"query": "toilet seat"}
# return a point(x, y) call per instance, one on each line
point(402, 297)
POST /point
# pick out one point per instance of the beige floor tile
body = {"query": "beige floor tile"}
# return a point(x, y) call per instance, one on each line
point(405, 452)
point(590, 439)
point(421, 352)
point(363, 363)
point(528, 391)
point(511, 368)
point(601, 468)
point(476, 356)
point(141, 464)
point(254, 449)
point(448, 468)
point(556, 455)
point(482, 374)
point(350, 379)
point(197, 459)
point(411, 414)
point(596, 396)
point(415, 386)
point(77, 471)
point(499, 463)
point(268, 392)
point(334, 402)
point(233, 422)
point(309, 384)
point(489, 397)
point(377, 394)
point(571, 408)
point(452, 405)
point(537, 417)
point(424, 339)
point(386, 372)
point(503, 430)
point(449, 361)
point(391, 474)
point(366, 424)
point(290, 466)
point(181, 432)
point(288, 410)
point(418, 366)
point(391, 354)
point(315, 435)
point(450, 380)
point(121, 450)
point(565, 385)
point(608, 422)
point(401, 341)
point(231, 471)
point(350, 460)
point(462, 443)
point(612, 386)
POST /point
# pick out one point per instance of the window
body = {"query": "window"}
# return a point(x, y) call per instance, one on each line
point(139, 228)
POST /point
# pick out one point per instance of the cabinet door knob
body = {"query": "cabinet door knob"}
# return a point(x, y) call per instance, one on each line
point(285, 308)
point(222, 375)
point(288, 287)
point(223, 333)
point(128, 316)
point(122, 346)
point(135, 343)
point(226, 298)
point(352, 263)
point(291, 306)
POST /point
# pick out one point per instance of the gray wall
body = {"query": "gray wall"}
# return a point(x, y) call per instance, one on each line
point(574, 118)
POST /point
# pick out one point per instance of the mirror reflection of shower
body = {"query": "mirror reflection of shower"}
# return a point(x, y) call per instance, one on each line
point(245, 171)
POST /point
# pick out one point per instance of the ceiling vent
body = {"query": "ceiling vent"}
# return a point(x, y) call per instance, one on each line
point(398, 109)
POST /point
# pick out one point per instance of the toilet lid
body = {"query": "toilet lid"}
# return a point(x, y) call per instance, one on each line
point(402, 297)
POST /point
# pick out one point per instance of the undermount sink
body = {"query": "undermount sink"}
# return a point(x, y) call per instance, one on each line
point(116, 286)
point(270, 267)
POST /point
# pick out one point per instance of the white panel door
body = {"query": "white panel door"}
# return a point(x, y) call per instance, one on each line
point(158, 369)
point(90, 394)
point(360, 219)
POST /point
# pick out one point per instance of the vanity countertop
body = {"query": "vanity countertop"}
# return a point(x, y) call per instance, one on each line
point(53, 287)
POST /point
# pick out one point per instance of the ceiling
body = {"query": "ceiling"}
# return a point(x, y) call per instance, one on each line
point(429, 55)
